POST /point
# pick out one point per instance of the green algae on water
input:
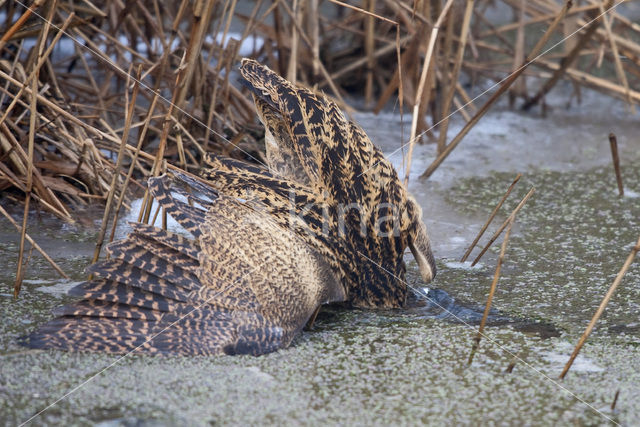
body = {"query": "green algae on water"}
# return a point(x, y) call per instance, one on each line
point(572, 237)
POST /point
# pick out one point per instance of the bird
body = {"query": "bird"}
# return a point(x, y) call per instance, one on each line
point(325, 220)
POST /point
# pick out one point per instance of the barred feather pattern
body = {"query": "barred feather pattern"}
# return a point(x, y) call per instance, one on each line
point(267, 245)
point(340, 164)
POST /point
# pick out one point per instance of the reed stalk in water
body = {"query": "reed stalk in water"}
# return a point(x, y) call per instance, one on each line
point(490, 219)
point(492, 290)
point(615, 400)
point(613, 143)
point(33, 243)
point(504, 225)
point(601, 308)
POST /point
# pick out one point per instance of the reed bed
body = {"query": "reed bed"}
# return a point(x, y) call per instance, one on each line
point(97, 96)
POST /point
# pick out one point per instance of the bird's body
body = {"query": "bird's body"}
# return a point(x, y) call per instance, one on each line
point(327, 221)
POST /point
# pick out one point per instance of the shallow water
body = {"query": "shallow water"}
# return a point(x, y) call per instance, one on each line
point(402, 366)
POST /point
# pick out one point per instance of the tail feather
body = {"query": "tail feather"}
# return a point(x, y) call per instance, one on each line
point(111, 291)
point(120, 336)
point(156, 262)
point(97, 308)
point(201, 333)
point(90, 334)
point(120, 271)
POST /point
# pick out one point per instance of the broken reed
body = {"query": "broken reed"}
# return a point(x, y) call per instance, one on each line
point(492, 290)
point(490, 219)
point(504, 225)
point(613, 143)
point(512, 364)
point(601, 308)
point(615, 400)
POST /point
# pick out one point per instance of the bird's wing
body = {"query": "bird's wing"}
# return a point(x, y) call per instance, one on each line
point(339, 159)
point(243, 284)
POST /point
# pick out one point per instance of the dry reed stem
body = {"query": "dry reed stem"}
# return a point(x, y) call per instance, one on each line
point(613, 143)
point(490, 219)
point(34, 244)
point(218, 69)
point(200, 23)
point(43, 100)
point(461, 109)
point(134, 160)
point(93, 86)
point(621, 41)
point(512, 364)
point(443, 78)
point(518, 87)
point(33, 116)
point(293, 58)
point(313, 19)
point(384, 50)
point(565, 63)
point(594, 82)
point(369, 47)
point(394, 83)
point(492, 290)
point(329, 79)
point(459, 59)
point(400, 78)
point(147, 202)
point(616, 56)
point(615, 400)
point(41, 62)
point(114, 178)
point(498, 35)
point(357, 9)
point(21, 186)
point(41, 189)
point(504, 225)
point(29, 187)
point(503, 88)
point(20, 22)
point(601, 308)
point(426, 65)
point(497, 31)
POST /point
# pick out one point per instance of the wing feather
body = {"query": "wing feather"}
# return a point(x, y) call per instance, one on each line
point(245, 285)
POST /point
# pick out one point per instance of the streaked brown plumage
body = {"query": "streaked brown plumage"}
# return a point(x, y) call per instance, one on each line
point(270, 245)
